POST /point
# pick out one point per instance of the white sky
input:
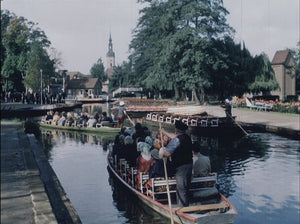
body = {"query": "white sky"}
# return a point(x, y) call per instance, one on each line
point(79, 29)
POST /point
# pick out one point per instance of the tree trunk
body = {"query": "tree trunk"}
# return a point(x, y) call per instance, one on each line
point(176, 89)
point(195, 97)
point(202, 94)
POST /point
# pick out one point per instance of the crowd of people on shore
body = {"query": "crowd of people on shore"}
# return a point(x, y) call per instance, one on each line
point(137, 146)
point(33, 97)
point(83, 119)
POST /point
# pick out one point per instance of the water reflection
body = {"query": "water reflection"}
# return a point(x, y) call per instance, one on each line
point(97, 108)
point(52, 138)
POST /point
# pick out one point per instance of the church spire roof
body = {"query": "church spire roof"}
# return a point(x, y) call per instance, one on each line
point(110, 52)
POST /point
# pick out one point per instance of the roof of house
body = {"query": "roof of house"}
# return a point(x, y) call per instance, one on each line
point(84, 83)
point(281, 57)
point(76, 74)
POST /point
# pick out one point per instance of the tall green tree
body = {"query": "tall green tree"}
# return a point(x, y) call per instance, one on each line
point(20, 39)
point(264, 81)
point(38, 59)
point(97, 71)
point(6, 16)
point(170, 46)
point(15, 42)
point(296, 54)
point(122, 77)
point(232, 70)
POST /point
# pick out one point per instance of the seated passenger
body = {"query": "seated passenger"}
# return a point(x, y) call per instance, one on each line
point(49, 117)
point(158, 170)
point(118, 147)
point(139, 134)
point(131, 153)
point(106, 120)
point(83, 119)
point(96, 116)
point(144, 161)
point(201, 163)
point(44, 118)
point(91, 122)
point(104, 117)
point(70, 120)
point(62, 120)
point(55, 119)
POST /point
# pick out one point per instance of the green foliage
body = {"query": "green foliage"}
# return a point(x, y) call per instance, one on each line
point(170, 48)
point(16, 46)
point(286, 108)
point(187, 47)
point(296, 55)
point(97, 71)
point(265, 80)
point(20, 41)
point(122, 77)
point(38, 59)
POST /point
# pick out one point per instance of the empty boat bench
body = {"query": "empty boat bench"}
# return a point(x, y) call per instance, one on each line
point(200, 186)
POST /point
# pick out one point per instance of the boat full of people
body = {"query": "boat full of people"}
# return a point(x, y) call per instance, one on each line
point(84, 122)
point(134, 159)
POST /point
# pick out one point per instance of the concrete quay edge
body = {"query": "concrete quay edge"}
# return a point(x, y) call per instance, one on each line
point(30, 189)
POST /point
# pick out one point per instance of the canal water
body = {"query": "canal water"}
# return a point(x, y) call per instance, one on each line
point(259, 174)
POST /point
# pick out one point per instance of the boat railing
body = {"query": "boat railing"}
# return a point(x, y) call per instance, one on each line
point(200, 121)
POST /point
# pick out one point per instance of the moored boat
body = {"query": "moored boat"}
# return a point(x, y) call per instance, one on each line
point(207, 204)
point(197, 120)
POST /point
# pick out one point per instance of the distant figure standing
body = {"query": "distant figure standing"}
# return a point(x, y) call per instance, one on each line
point(121, 114)
point(227, 107)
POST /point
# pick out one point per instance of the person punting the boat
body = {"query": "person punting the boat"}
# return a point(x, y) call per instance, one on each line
point(227, 107)
point(180, 150)
point(121, 114)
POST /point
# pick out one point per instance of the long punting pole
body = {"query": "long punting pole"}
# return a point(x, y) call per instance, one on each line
point(238, 124)
point(166, 176)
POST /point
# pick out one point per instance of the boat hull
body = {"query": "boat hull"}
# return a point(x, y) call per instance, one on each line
point(82, 129)
point(180, 217)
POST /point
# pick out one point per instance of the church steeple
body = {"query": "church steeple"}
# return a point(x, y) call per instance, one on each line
point(110, 58)
point(110, 52)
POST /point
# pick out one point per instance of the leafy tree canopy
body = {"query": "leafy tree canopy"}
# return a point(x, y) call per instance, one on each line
point(97, 71)
point(20, 40)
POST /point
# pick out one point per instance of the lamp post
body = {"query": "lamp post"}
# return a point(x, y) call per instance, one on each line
point(41, 86)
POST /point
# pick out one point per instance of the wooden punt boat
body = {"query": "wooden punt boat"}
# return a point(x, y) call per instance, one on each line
point(152, 192)
point(99, 129)
point(204, 125)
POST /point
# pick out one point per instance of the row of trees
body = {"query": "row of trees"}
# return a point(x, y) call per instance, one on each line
point(180, 48)
point(24, 54)
point(186, 48)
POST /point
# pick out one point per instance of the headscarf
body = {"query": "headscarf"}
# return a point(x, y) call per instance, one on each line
point(145, 151)
point(149, 140)
point(128, 140)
